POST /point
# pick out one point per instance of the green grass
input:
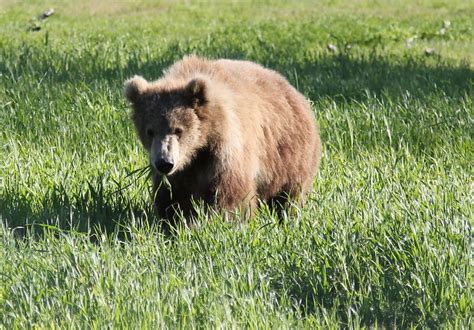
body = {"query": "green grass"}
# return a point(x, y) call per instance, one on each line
point(385, 238)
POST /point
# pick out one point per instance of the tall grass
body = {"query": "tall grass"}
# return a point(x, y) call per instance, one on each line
point(384, 239)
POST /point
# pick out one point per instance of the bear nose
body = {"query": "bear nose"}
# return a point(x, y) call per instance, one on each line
point(163, 166)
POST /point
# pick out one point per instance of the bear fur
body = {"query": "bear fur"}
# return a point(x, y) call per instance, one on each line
point(226, 133)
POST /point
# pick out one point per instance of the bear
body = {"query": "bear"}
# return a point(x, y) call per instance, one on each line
point(227, 133)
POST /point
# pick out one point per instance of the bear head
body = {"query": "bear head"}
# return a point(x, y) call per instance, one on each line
point(170, 119)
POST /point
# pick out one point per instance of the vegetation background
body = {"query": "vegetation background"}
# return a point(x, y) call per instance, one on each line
point(385, 238)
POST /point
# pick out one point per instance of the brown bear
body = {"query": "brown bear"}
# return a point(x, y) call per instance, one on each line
point(226, 133)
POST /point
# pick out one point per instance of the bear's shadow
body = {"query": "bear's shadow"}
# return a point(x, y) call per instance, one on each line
point(91, 209)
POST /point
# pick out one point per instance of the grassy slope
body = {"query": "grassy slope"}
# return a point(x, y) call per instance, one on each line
point(384, 238)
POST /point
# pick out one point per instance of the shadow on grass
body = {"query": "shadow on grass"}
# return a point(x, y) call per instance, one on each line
point(342, 76)
point(91, 210)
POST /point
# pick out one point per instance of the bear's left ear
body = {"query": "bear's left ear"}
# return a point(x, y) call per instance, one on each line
point(196, 91)
point(134, 87)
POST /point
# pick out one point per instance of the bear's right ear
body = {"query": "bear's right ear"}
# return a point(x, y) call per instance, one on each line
point(196, 91)
point(134, 87)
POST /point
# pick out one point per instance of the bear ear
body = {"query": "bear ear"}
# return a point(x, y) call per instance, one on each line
point(134, 87)
point(196, 91)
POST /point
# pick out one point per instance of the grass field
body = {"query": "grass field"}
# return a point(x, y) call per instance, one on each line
point(385, 238)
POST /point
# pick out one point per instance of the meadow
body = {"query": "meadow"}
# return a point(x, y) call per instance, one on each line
point(384, 240)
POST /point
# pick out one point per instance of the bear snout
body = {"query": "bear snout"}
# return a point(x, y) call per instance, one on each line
point(163, 166)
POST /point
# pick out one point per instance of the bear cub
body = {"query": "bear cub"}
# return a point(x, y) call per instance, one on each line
point(226, 133)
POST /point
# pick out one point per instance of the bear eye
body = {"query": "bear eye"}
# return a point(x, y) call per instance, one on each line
point(178, 131)
point(150, 132)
